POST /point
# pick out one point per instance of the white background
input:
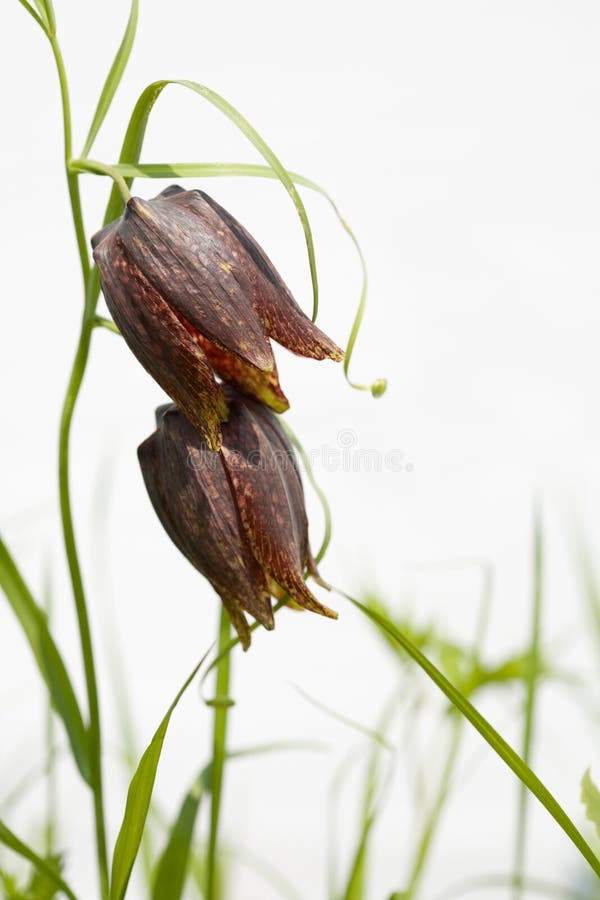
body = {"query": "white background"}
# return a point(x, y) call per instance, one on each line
point(462, 142)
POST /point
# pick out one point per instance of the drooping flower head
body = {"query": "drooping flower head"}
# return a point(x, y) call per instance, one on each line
point(238, 515)
point(193, 294)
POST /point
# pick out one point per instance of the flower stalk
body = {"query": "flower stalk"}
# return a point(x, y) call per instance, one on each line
point(70, 400)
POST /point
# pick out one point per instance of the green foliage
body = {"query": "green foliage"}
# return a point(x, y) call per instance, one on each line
point(590, 797)
point(52, 668)
point(173, 864)
point(487, 731)
point(47, 871)
point(461, 664)
point(113, 78)
point(138, 801)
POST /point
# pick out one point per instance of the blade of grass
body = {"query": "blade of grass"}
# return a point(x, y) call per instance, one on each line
point(531, 683)
point(221, 704)
point(344, 720)
point(138, 799)
point(49, 738)
point(489, 734)
point(435, 812)
point(356, 884)
point(174, 861)
point(100, 527)
point(590, 797)
point(433, 819)
point(42, 23)
point(113, 78)
point(590, 583)
point(50, 663)
point(10, 840)
point(50, 17)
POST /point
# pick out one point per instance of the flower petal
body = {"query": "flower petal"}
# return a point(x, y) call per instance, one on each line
point(265, 487)
point(165, 345)
point(190, 491)
point(187, 258)
point(282, 318)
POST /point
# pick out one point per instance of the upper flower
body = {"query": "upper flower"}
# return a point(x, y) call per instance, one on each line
point(237, 515)
point(193, 294)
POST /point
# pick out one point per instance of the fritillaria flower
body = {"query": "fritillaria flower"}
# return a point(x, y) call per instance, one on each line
point(237, 515)
point(193, 295)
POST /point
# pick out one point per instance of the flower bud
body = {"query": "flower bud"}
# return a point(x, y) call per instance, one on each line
point(193, 294)
point(237, 515)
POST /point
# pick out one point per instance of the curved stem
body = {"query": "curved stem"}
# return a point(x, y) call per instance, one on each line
point(99, 168)
point(73, 388)
point(72, 181)
point(74, 385)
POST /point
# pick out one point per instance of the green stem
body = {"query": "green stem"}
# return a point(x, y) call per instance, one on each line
point(433, 819)
point(70, 400)
point(50, 767)
point(99, 168)
point(108, 324)
point(221, 706)
point(72, 180)
point(531, 687)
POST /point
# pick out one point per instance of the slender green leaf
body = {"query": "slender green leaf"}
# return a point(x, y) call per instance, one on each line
point(48, 15)
point(41, 886)
point(113, 78)
point(590, 797)
point(10, 840)
point(531, 684)
point(39, 19)
point(42, 8)
point(173, 864)
point(344, 720)
point(134, 138)
point(434, 814)
point(138, 800)
point(34, 625)
point(489, 734)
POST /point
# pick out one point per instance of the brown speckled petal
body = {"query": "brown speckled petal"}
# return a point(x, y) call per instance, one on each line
point(190, 264)
point(267, 500)
point(191, 495)
point(262, 386)
point(164, 344)
point(282, 318)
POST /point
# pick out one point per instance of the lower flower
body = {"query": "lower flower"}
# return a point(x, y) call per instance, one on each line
point(238, 515)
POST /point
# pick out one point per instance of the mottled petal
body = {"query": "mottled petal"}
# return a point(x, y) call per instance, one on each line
point(267, 503)
point(190, 492)
point(263, 386)
point(282, 318)
point(187, 261)
point(165, 344)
